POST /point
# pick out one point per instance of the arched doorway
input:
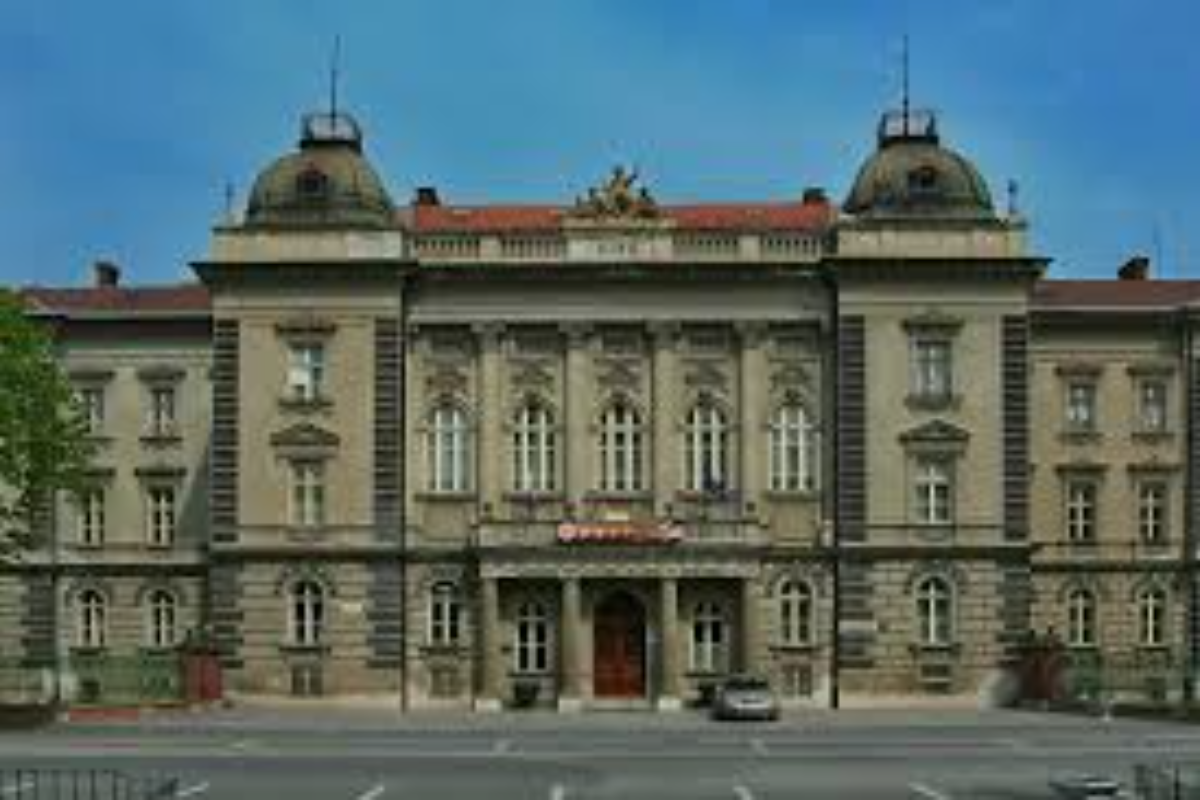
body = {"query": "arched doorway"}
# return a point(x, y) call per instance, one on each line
point(619, 649)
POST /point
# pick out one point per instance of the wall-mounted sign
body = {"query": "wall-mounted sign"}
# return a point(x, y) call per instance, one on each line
point(621, 532)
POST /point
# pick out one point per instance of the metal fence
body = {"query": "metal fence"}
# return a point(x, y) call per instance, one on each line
point(98, 679)
point(1166, 782)
point(68, 784)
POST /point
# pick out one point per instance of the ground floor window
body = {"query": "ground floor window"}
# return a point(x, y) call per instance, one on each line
point(532, 645)
point(91, 621)
point(1081, 618)
point(935, 612)
point(161, 620)
point(1152, 617)
point(445, 615)
point(708, 638)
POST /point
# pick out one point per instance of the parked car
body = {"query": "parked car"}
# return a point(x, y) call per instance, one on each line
point(745, 697)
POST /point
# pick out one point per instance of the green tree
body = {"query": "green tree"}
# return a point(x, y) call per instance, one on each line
point(44, 444)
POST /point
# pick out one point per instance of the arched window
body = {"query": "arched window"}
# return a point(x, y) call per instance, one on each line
point(306, 611)
point(793, 462)
point(796, 609)
point(1152, 617)
point(445, 615)
point(534, 449)
point(162, 619)
point(708, 638)
point(1081, 618)
point(621, 449)
point(532, 649)
point(91, 628)
point(449, 449)
point(705, 451)
point(935, 612)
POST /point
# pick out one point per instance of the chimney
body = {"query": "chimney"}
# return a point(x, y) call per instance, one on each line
point(107, 275)
point(427, 196)
point(814, 195)
point(1136, 268)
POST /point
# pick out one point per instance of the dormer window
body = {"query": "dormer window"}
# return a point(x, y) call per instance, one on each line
point(312, 184)
point(923, 180)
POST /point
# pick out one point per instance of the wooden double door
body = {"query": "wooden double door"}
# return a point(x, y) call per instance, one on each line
point(619, 647)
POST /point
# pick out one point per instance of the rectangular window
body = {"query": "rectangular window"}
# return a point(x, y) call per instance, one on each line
point(1081, 406)
point(160, 515)
point(91, 521)
point(308, 494)
point(1081, 511)
point(306, 371)
point(934, 491)
point(1152, 512)
point(160, 417)
point(1152, 406)
point(932, 368)
point(91, 401)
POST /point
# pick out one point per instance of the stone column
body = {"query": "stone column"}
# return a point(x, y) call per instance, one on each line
point(751, 650)
point(669, 646)
point(664, 395)
point(751, 442)
point(490, 654)
point(490, 456)
point(576, 446)
point(570, 695)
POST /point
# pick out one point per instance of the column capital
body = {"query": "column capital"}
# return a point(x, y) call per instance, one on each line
point(664, 332)
point(751, 332)
point(489, 332)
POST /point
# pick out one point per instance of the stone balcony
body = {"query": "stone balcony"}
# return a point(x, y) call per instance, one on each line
point(497, 534)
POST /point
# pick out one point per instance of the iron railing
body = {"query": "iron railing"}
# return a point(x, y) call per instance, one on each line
point(1166, 782)
point(85, 784)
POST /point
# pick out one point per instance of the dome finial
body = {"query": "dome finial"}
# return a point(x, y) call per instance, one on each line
point(334, 58)
point(904, 77)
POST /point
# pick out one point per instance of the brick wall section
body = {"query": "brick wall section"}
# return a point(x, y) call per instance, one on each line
point(223, 498)
point(1193, 489)
point(37, 619)
point(852, 429)
point(1015, 382)
point(226, 613)
point(387, 456)
point(384, 614)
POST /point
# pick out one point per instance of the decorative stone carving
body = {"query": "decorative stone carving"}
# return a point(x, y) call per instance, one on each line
point(618, 375)
point(618, 198)
point(704, 375)
point(305, 436)
point(446, 379)
point(532, 374)
point(790, 376)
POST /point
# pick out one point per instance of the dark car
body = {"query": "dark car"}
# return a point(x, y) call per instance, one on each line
point(745, 697)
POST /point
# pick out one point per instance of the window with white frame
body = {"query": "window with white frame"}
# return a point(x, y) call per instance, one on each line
point(161, 411)
point(445, 615)
point(792, 449)
point(532, 633)
point(161, 515)
point(705, 450)
point(91, 517)
point(306, 370)
point(1152, 511)
point(1081, 618)
point(91, 619)
point(1152, 405)
point(1081, 511)
point(307, 504)
point(91, 405)
point(162, 620)
point(534, 449)
point(1152, 617)
point(935, 612)
point(933, 490)
point(932, 374)
point(621, 449)
point(796, 608)
point(1081, 405)
point(449, 449)
point(306, 613)
point(708, 638)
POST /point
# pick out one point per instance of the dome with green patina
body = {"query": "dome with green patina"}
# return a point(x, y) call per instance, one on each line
point(912, 175)
point(327, 183)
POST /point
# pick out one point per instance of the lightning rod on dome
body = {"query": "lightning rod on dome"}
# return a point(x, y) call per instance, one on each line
point(334, 66)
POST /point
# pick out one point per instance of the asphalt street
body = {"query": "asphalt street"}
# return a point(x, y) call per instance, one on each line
point(306, 754)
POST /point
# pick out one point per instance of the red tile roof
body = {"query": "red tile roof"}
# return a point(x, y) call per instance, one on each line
point(798, 216)
point(182, 299)
point(1115, 294)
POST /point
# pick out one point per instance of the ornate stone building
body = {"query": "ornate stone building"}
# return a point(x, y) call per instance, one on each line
point(604, 452)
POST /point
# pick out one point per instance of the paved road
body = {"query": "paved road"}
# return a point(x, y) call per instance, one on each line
point(855, 754)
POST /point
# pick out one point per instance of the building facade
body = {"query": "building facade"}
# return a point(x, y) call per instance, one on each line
point(607, 451)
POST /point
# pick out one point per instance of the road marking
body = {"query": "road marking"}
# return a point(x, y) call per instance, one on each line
point(928, 792)
point(19, 788)
point(194, 789)
point(242, 744)
point(372, 793)
point(742, 793)
point(759, 747)
point(558, 792)
point(502, 746)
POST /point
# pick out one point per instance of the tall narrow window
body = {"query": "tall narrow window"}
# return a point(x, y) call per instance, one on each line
point(1152, 617)
point(534, 449)
point(445, 615)
point(449, 450)
point(621, 449)
point(91, 403)
point(1152, 406)
point(91, 629)
point(162, 620)
point(933, 490)
point(932, 368)
point(532, 646)
point(1081, 406)
point(1081, 512)
point(1081, 618)
point(308, 494)
point(306, 371)
point(705, 452)
point(793, 456)
point(160, 416)
point(160, 515)
point(795, 613)
point(708, 638)
point(1152, 512)
point(935, 612)
point(306, 610)
point(91, 518)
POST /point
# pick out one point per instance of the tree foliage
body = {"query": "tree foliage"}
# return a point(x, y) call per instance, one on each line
point(45, 448)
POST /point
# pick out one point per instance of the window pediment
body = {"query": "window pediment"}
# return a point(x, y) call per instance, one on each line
point(160, 374)
point(305, 326)
point(936, 435)
point(933, 322)
point(307, 438)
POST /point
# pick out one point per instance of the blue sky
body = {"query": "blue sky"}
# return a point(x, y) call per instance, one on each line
point(123, 121)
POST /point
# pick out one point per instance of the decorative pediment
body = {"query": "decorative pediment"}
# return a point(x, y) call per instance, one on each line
point(161, 374)
point(305, 326)
point(305, 436)
point(790, 376)
point(532, 374)
point(618, 198)
point(618, 375)
point(933, 320)
point(446, 379)
point(936, 432)
point(705, 376)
